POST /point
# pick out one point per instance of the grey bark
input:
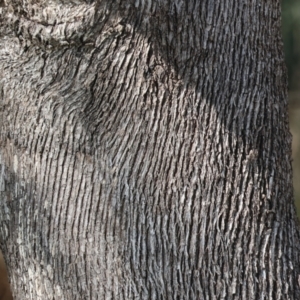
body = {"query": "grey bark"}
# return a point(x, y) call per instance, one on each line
point(145, 151)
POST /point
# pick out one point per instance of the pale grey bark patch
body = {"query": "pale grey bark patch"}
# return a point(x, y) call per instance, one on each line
point(145, 151)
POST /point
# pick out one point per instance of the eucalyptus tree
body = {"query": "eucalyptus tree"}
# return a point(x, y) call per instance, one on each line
point(145, 151)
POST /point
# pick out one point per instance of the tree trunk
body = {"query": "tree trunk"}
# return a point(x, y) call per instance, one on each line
point(145, 151)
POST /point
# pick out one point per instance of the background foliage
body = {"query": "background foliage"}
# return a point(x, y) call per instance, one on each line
point(291, 36)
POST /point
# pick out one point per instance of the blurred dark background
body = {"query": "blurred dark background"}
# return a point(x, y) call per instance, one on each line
point(291, 37)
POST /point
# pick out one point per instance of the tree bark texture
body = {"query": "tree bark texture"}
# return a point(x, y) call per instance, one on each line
point(145, 151)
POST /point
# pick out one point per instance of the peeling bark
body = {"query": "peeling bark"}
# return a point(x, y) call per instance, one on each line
point(145, 151)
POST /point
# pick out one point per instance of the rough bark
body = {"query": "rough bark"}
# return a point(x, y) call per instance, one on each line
point(145, 151)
